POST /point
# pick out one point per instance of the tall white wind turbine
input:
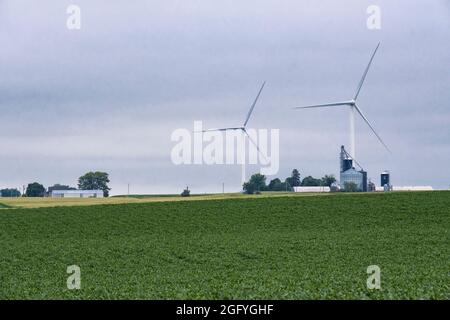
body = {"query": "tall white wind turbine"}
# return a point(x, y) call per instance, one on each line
point(353, 107)
point(244, 131)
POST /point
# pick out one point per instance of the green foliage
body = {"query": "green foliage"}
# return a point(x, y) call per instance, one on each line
point(295, 178)
point(350, 187)
point(95, 181)
point(274, 185)
point(10, 192)
point(287, 185)
point(35, 189)
point(59, 187)
point(311, 182)
point(328, 180)
point(256, 184)
point(289, 181)
point(293, 247)
point(249, 188)
point(294, 181)
point(277, 185)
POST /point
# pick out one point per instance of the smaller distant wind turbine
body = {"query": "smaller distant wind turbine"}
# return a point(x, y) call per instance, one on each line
point(353, 107)
point(244, 131)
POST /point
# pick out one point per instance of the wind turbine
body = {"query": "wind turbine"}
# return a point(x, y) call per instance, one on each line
point(353, 109)
point(244, 131)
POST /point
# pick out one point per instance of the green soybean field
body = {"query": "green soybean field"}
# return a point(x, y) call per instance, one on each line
point(285, 247)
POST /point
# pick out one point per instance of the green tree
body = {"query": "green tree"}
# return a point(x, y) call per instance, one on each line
point(311, 182)
point(287, 184)
point(10, 192)
point(328, 180)
point(295, 178)
point(248, 188)
point(58, 186)
point(95, 181)
point(274, 184)
point(257, 183)
point(35, 190)
point(288, 181)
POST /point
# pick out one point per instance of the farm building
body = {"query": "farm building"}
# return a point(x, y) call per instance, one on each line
point(312, 189)
point(408, 188)
point(348, 173)
point(77, 194)
point(359, 178)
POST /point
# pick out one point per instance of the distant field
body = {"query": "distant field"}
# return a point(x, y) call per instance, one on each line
point(284, 247)
point(57, 202)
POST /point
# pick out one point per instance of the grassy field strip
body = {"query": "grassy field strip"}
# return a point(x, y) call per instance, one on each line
point(24, 203)
point(57, 202)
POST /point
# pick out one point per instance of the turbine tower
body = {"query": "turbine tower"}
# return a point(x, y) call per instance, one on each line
point(244, 131)
point(353, 109)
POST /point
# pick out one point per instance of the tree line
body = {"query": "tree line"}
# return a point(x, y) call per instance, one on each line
point(257, 182)
point(89, 181)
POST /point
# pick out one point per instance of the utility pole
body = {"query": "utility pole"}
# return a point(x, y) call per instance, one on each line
point(223, 187)
point(128, 194)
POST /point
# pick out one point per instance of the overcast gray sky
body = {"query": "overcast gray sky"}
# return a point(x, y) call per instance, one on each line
point(107, 97)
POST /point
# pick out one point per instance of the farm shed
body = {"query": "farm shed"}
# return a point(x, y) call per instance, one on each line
point(77, 194)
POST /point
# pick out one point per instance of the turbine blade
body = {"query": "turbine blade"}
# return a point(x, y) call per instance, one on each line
point(333, 104)
point(371, 127)
point(361, 82)
point(254, 103)
point(219, 129)
point(255, 144)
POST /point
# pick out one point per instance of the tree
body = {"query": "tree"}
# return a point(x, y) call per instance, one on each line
point(10, 192)
point(58, 186)
point(95, 181)
point(288, 181)
point(248, 188)
point(287, 184)
point(259, 180)
point(295, 178)
point(274, 185)
point(350, 187)
point(257, 183)
point(35, 190)
point(328, 180)
point(311, 182)
point(277, 185)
